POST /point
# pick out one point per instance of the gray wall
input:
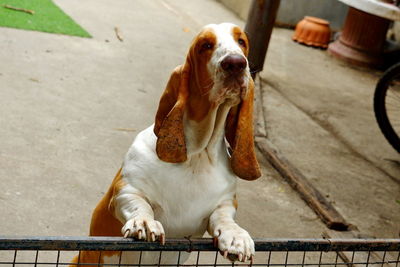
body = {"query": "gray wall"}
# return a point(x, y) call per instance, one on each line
point(292, 11)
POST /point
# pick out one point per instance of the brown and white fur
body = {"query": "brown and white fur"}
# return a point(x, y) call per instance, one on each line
point(178, 179)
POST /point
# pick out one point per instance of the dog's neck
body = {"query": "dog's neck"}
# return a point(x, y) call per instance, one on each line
point(207, 135)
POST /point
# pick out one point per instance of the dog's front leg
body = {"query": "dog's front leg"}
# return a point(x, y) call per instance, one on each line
point(233, 241)
point(134, 211)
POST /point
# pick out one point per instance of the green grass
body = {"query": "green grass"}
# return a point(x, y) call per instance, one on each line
point(47, 17)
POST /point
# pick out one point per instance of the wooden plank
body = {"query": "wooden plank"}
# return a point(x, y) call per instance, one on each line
point(318, 203)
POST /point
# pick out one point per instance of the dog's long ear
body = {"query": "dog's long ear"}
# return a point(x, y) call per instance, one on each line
point(239, 134)
point(168, 127)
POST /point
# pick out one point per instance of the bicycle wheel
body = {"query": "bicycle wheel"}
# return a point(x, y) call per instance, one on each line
point(387, 105)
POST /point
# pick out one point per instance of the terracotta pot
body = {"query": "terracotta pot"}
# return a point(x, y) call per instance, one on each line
point(313, 31)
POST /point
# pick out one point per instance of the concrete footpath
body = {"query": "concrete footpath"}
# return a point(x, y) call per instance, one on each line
point(70, 108)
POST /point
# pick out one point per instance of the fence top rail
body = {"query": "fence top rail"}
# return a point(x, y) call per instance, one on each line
point(203, 244)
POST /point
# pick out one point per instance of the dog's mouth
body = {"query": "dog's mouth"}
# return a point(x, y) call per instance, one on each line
point(235, 82)
point(233, 89)
point(230, 86)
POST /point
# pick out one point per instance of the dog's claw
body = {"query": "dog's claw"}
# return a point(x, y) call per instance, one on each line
point(215, 242)
point(144, 229)
point(235, 242)
point(162, 239)
point(127, 233)
point(140, 234)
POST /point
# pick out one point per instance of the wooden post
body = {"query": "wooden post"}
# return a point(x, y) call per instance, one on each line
point(260, 21)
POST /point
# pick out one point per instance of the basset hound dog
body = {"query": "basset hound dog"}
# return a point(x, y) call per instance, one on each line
point(179, 176)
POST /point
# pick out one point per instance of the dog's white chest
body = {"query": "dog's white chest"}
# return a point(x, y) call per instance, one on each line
point(182, 195)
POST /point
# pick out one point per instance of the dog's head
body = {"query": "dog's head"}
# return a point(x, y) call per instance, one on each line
point(216, 71)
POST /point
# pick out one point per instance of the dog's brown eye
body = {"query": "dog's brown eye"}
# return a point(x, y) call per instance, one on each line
point(207, 46)
point(242, 42)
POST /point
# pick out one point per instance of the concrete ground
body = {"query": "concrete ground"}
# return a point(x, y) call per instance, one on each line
point(70, 108)
point(319, 113)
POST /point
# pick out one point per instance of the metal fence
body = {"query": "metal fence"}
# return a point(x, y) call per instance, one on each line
point(59, 251)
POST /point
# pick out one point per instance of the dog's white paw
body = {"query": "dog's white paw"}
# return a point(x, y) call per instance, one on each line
point(235, 243)
point(147, 229)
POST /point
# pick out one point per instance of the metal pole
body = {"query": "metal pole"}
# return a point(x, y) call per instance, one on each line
point(56, 243)
point(260, 21)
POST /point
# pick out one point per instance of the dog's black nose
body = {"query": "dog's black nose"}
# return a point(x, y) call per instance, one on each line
point(234, 64)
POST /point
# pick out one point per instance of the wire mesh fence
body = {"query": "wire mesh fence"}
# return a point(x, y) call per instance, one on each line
point(110, 251)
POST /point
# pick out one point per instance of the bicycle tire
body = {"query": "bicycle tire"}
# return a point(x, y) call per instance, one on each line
point(380, 107)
